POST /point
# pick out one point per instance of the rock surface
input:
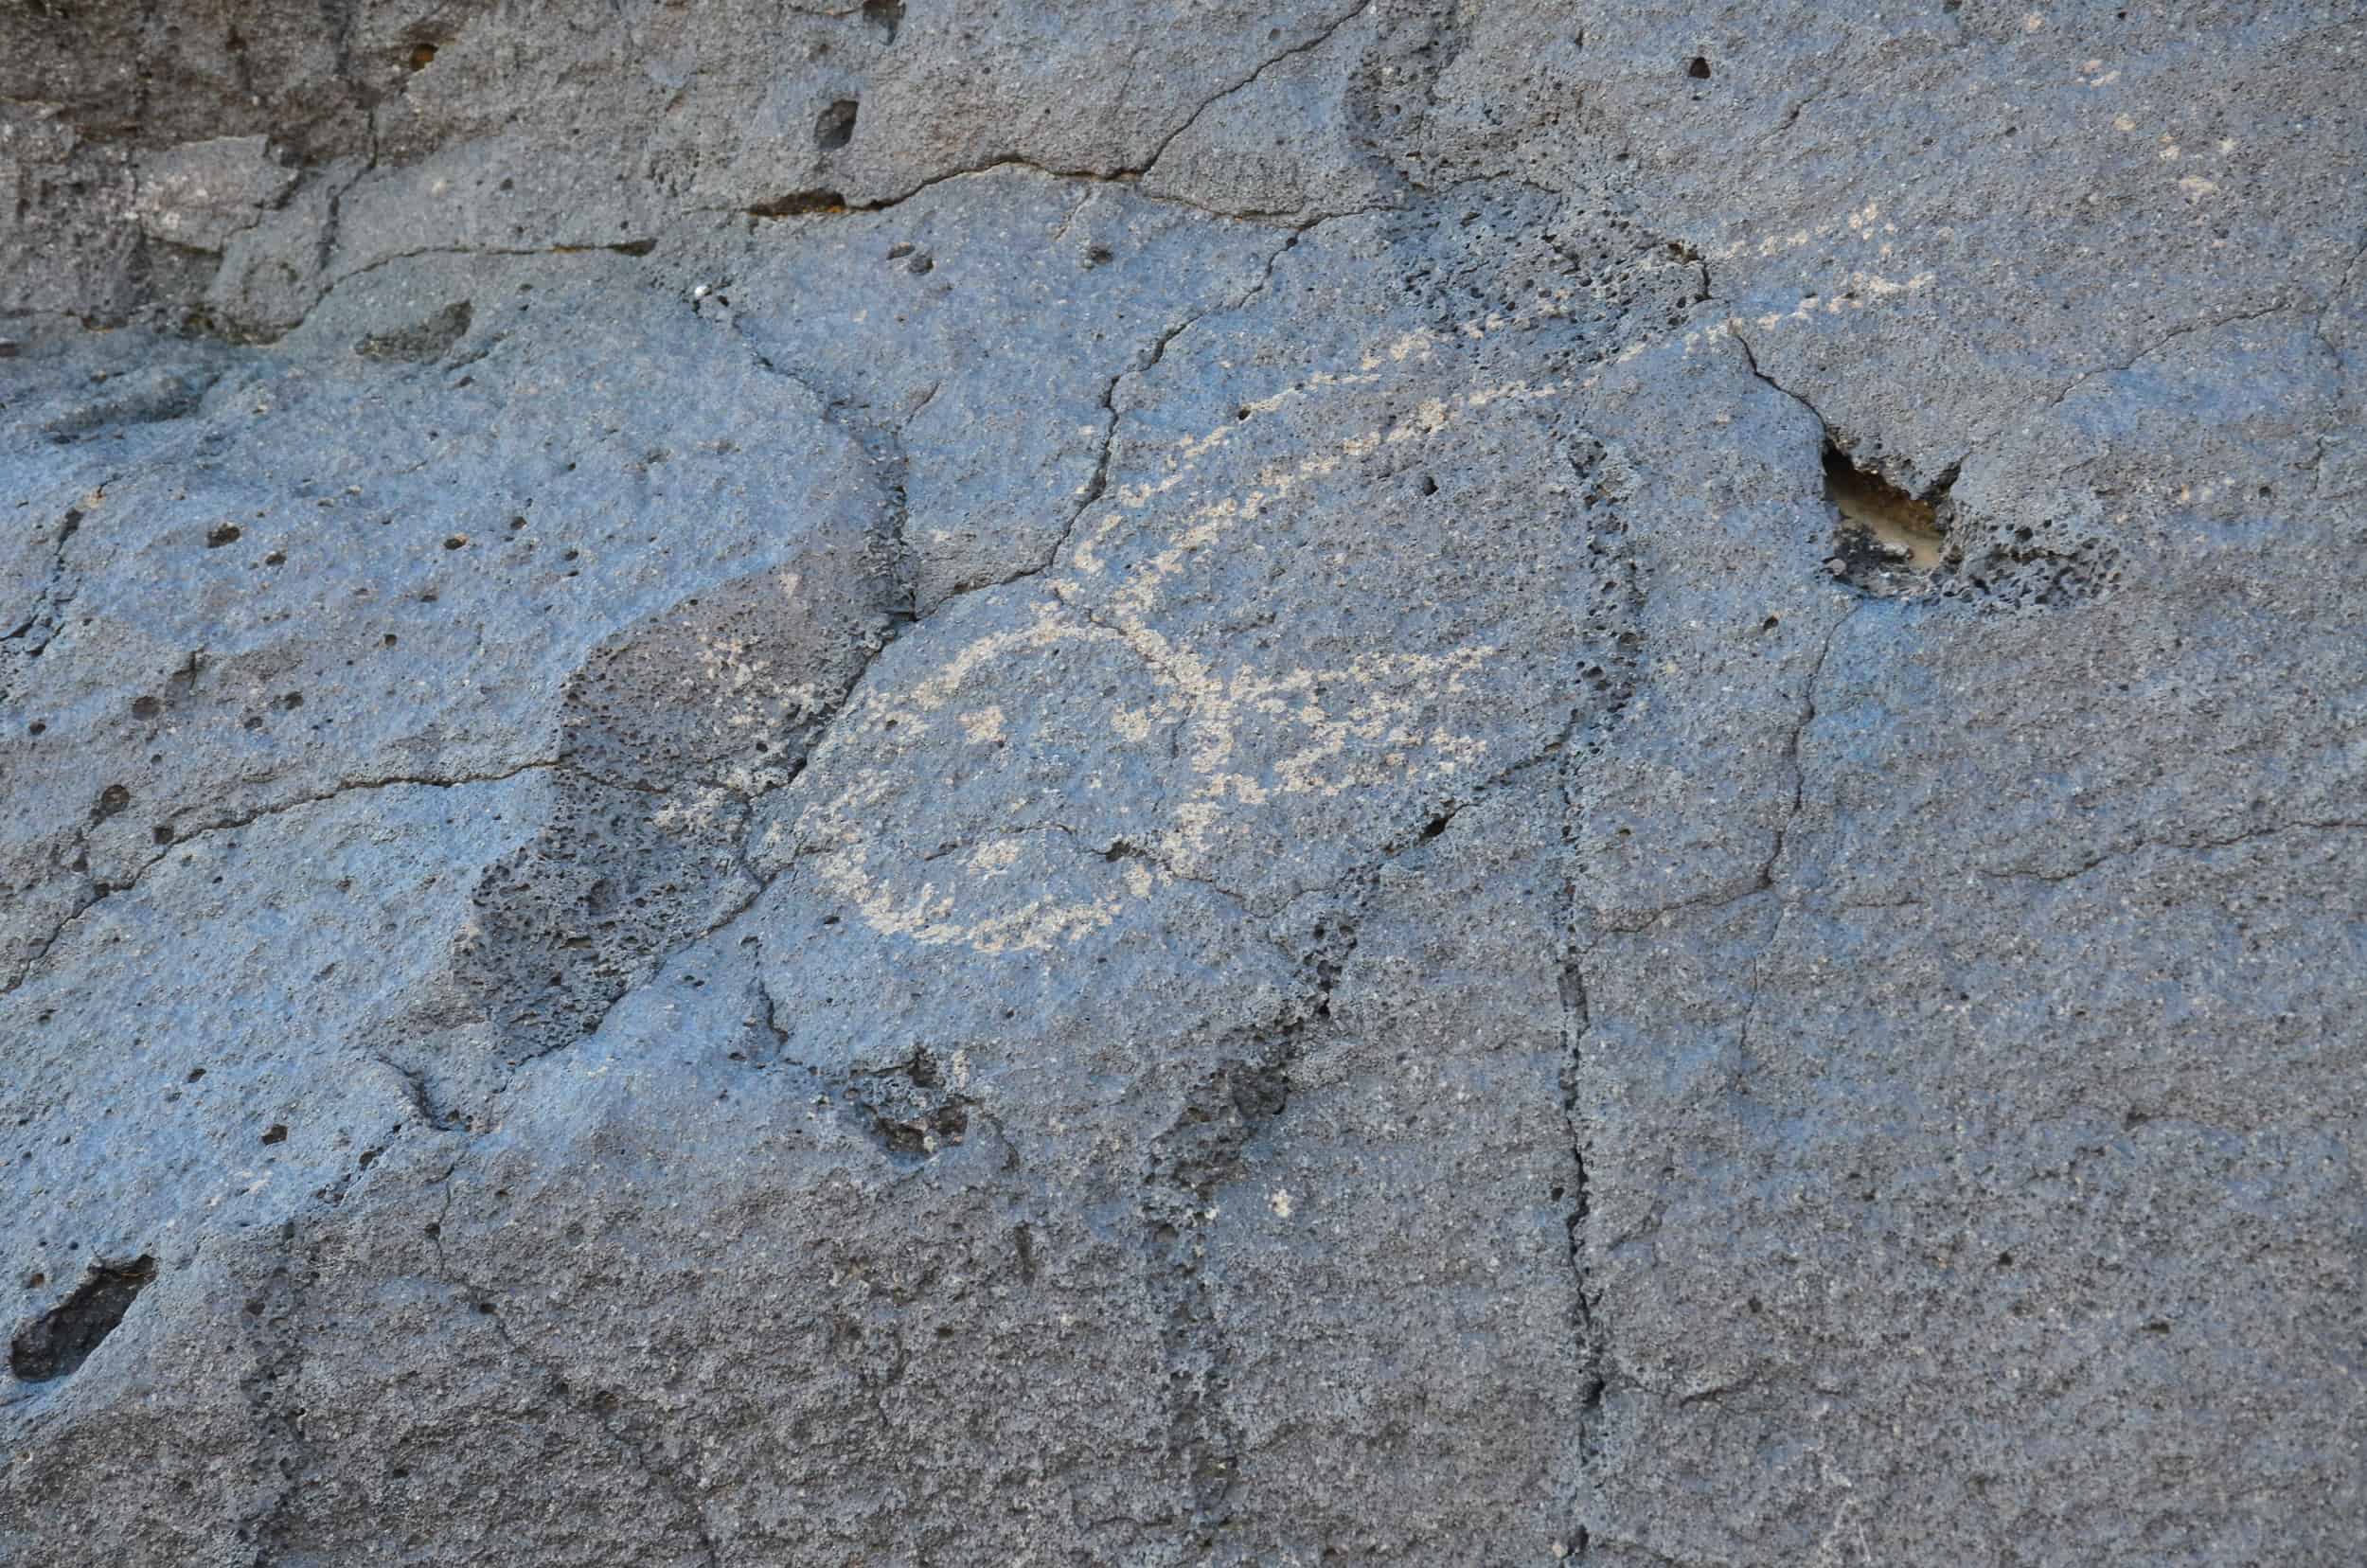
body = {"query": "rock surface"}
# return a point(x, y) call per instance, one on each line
point(902, 783)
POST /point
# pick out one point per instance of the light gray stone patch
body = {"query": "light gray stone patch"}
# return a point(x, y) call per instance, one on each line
point(201, 193)
point(1017, 303)
point(309, 597)
point(191, 1082)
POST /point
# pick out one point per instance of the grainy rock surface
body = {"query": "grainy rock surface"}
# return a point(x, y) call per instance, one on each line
point(873, 782)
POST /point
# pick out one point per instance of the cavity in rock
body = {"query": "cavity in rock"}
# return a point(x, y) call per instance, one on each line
point(63, 1339)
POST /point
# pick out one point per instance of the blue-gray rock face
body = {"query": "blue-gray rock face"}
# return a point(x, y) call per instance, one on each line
point(925, 783)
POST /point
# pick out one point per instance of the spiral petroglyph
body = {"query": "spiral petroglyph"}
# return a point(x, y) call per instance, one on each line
point(1227, 737)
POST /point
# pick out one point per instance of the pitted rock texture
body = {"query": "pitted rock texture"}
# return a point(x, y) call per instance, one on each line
point(900, 783)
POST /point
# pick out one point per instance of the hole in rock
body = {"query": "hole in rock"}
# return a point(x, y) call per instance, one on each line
point(1700, 68)
point(421, 341)
point(797, 203)
point(836, 126)
point(62, 1340)
point(1884, 529)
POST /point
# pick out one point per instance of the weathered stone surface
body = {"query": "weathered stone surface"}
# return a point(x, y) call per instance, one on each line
point(905, 783)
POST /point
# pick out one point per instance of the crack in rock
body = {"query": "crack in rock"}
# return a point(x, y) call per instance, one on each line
point(100, 891)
